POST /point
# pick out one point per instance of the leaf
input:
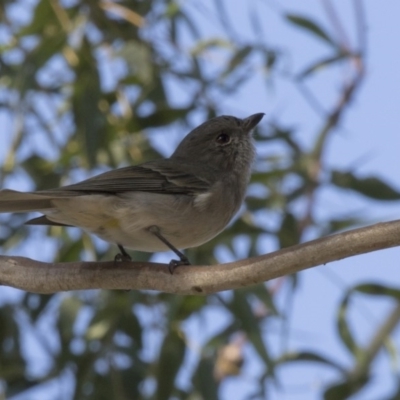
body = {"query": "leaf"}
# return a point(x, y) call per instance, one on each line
point(241, 309)
point(137, 57)
point(237, 60)
point(130, 324)
point(12, 363)
point(289, 233)
point(89, 119)
point(340, 224)
point(68, 313)
point(343, 327)
point(321, 64)
point(170, 360)
point(375, 289)
point(206, 44)
point(311, 357)
point(371, 187)
point(310, 26)
point(161, 117)
point(42, 15)
point(345, 389)
point(204, 380)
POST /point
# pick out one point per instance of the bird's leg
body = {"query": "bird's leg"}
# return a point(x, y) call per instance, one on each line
point(123, 256)
point(183, 260)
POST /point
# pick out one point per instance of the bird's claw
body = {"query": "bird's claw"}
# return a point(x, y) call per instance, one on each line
point(176, 263)
point(122, 257)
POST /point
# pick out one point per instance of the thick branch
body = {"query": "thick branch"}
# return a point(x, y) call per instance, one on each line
point(39, 277)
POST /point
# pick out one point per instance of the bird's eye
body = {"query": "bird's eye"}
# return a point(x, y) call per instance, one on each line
point(223, 138)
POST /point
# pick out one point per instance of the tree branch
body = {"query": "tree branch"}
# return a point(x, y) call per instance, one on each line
point(39, 277)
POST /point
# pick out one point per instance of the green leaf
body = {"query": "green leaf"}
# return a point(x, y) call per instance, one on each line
point(206, 44)
point(89, 119)
point(237, 60)
point(321, 64)
point(343, 327)
point(344, 390)
point(242, 310)
point(130, 324)
point(371, 187)
point(170, 360)
point(289, 233)
point(377, 290)
point(204, 380)
point(310, 26)
point(137, 57)
point(43, 13)
point(161, 117)
point(68, 313)
point(340, 224)
point(311, 357)
point(12, 363)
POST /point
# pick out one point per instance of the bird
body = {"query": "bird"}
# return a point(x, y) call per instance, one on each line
point(174, 203)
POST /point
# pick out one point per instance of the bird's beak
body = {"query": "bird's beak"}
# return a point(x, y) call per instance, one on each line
point(251, 122)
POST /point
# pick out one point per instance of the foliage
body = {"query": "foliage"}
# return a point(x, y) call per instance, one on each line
point(88, 85)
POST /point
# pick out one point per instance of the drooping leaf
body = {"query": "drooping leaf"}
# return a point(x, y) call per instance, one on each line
point(376, 289)
point(343, 327)
point(321, 64)
point(237, 59)
point(204, 379)
point(345, 389)
point(371, 187)
point(310, 357)
point(169, 362)
point(311, 26)
point(242, 310)
point(289, 233)
point(68, 313)
point(89, 119)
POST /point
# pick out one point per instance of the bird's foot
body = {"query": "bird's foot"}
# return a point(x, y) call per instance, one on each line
point(123, 256)
point(176, 263)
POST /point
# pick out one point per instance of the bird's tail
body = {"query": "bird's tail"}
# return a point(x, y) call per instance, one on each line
point(13, 201)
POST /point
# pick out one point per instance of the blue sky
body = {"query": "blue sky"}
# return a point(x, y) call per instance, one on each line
point(368, 141)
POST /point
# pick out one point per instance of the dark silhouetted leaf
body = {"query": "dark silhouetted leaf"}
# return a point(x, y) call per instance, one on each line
point(289, 233)
point(237, 60)
point(68, 313)
point(169, 363)
point(242, 310)
point(344, 390)
point(311, 357)
point(311, 27)
point(204, 379)
point(371, 187)
point(343, 327)
point(321, 64)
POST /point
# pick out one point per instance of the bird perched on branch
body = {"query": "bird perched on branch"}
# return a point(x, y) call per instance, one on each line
point(179, 202)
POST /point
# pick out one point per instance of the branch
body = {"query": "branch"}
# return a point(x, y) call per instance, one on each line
point(39, 277)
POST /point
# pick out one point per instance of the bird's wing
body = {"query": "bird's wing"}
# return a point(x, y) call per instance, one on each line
point(157, 177)
point(164, 177)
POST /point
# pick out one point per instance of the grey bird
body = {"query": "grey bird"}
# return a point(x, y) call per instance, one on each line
point(177, 203)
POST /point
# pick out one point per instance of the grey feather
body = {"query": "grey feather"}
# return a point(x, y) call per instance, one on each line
point(13, 201)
